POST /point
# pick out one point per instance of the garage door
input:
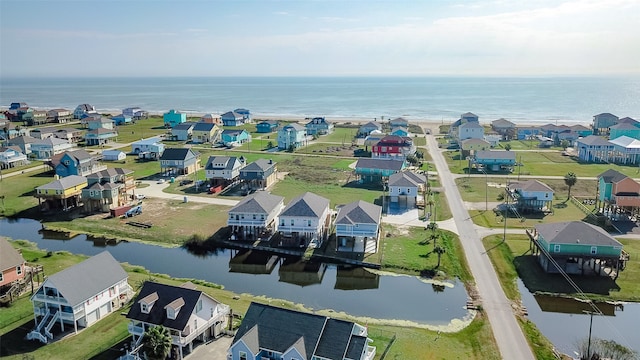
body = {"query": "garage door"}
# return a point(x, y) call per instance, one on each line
point(92, 317)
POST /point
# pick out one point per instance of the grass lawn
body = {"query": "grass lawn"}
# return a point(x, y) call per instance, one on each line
point(473, 188)
point(342, 135)
point(323, 148)
point(561, 212)
point(142, 129)
point(410, 250)
point(16, 192)
point(291, 187)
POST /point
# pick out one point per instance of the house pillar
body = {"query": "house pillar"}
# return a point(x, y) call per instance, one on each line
point(60, 317)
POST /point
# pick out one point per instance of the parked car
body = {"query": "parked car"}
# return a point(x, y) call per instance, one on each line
point(161, 181)
point(140, 196)
point(185, 182)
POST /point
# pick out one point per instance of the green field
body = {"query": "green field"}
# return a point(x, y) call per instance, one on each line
point(474, 189)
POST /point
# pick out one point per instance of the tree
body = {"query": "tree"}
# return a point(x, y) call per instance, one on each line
point(570, 179)
point(439, 250)
point(270, 145)
point(507, 147)
point(156, 343)
point(565, 144)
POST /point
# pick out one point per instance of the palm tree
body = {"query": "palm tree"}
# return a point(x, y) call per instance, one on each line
point(156, 343)
point(439, 250)
point(434, 237)
point(570, 179)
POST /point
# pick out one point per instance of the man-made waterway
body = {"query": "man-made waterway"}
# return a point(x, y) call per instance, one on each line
point(357, 291)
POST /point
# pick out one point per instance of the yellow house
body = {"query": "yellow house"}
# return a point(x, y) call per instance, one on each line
point(64, 193)
point(204, 132)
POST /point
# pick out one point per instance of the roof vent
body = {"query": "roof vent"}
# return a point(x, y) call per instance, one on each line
point(578, 240)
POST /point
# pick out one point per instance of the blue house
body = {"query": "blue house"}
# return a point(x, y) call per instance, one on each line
point(99, 136)
point(122, 119)
point(292, 136)
point(182, 132)
point(319, 126)
point(374, 170)
point(528, 132)
point(367, 128)
point(594, 148)
point(234, 137)
point(232, 118)
point(400, 131)
point(246, 114)
point(267, 126)
point(268, 332)
point(494, 160)
point(77, 162)
point(173, 118)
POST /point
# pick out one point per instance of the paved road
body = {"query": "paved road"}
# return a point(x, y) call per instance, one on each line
point(507, 332)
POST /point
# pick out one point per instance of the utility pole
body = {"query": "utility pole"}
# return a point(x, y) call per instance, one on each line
point(590, 326)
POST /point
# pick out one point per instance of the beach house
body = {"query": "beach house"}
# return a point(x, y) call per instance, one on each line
point(12, 156)
point(23, 143)
point(276, 333)
point(76, 162)
point(494, 160)
point(100, 136)
point(108, 188)
point(182, 132)
point(624, 129)
point(60, 116)
point(626, 151)
point(406, 189)
point(292, 136)
point(135, 113)
point(83, 109)
point(398, 122)
point(150, 148)
point(79, 296)
point(35, 117)
point(223, 170)
point(234, 137)
point(259, 174)
point(100, 123)
point(367, 128)
point(179, 161)
point(470, 145)
point(62, 194)
point(504, 127)
point(530, 196)
point(204, 133)
point(375, 170)
point(358, 227)
point(576, 247)
point(212, 119)
point(255, 217)
point(45, 149)
point(267, 126)
point(173, 118)
point(12, 266)
point(122, 119)
point(594, 148)
point(233, 118)
point(192, 316)
point(602, 123)
point(305, 220)
point(393, 147)
point(319, 126)
point(469, 130)
point(617, 194)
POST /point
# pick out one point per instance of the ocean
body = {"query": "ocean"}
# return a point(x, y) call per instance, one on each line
point(522, 100)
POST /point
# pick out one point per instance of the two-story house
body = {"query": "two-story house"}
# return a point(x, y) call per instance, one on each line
point(292, 136)
point(267, 126)
point(100, 123)
point(530, 196)
point(375, 170)
point(268, 332)
point(35, 117)
point(76, 162)
point(63, 193)
point(367, 128)
point(255, 217)
point(393, 147)
point(150, 148)
point(259, 174)
point(626, 150)
point(398, 122)
point(23, 143)
point(234, 137)
point(210, 118)
point(494, 160)
point(100, 136)
point(107, 189)
point(79, 296)
point(47, 148)
point(305, 220)
point(179, 161)
point(617, 193)
point(83, 109)
point(59, 115)
point(173, 118)
point(319, 126)
point(576, 247)
point(12, 265)
point(182, 132)
point(594, 148)
point(233, 118)
point(602, 123)
point(192, 316)
point(406, 188)
point(223, 170)
point(504, 127)
point(204, 132)
point(11, 156)
point(122, 119)
point(358, 227)
point(135, 113)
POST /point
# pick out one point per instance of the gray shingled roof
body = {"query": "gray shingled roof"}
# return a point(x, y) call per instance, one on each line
point(176, 154)
point(64, 183)
point(612, 176)
point(404, 179)
point(9, 256)
point(203, 126)
point(86, 279)
point(502, 123)
point(531, 185)
point(110, 172)
point(359, 212)
point(259, 165)
point(335, 339)
point(368, 163)
point(488, 154)
point(471, 125)
point(572, 232)
point(594, 140)
point(295, 126)
point(228, 161)
point(261, 202)
point(307, 205)
point(184, 126)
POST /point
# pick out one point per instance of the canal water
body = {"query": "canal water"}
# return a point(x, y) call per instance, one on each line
point(357, 292)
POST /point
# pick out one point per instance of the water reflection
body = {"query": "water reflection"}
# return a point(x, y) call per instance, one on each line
point(316, 285)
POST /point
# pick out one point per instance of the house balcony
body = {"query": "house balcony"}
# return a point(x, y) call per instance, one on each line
point(247, 222)
point(137, 330)
point(357, 233)
point(51, 299)
point(189, 335)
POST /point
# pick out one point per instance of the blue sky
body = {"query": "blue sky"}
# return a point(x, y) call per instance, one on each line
point(318, 38)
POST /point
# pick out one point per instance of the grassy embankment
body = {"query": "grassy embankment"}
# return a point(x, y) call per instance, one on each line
point(104, 339)
point(512, 259)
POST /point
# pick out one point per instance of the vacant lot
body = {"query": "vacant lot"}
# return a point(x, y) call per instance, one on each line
point(473, 189)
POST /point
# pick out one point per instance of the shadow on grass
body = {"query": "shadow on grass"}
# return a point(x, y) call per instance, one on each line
point(14, 342)
point(536, 280)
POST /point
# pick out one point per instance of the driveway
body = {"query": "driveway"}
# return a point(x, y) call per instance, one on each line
point(157, 191)
point(216, 350)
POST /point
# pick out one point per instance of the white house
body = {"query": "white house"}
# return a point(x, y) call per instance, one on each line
point(79, 296)
point(470, 130)
point(11, 157)
point(255, 217)
point(358, 227)
point(223, 169)
point(113, 155)
point(404, 188)
point(305, 220)
point(189, 314)
point(150, 148)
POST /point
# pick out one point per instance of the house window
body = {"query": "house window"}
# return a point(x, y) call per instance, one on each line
point(242, 355)
point(254, 216)
point(594, 250)
point(199, 305)
point(556, 248)
point(282, 222)
point(19, 270)
point(308, 222)
point(546, 195)
point(1, 277)
point(262, 217)
point(143, 307)
point(292, 223)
